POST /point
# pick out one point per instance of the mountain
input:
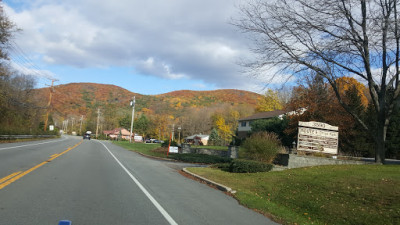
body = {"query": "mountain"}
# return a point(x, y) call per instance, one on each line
point(73, 101)
point(79, 98)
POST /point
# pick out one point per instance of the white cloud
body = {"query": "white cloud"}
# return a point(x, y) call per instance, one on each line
point(177, 39)
point(28, 70)
point(151, 66)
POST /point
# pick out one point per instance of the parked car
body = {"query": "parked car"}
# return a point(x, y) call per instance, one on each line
point(147, 141)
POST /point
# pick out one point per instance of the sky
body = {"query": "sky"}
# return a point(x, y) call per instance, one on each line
point(147, 47)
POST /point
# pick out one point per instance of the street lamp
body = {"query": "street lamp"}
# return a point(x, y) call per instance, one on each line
point(132, 104)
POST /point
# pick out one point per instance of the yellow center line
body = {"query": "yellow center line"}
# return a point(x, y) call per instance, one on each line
point(10, 179)
point(53, 155)
point(9, 176)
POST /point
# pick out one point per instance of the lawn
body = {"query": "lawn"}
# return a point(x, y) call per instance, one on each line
point(147, 149)
point(349, 194)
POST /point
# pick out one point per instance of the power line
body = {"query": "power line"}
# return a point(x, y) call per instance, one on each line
point(25, 64)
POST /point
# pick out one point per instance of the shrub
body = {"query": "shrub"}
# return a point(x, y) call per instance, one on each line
point(248, 166)
point(222, 166)
point(166, 143)
point(200, 158)
point(262, 146)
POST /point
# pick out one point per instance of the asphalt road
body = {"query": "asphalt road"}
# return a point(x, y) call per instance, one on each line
point(95, 182)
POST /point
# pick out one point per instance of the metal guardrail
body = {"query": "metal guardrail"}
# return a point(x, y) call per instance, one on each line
point(5, 137)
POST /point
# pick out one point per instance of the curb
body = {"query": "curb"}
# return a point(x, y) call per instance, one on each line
point(219, 186)
point(153, 157)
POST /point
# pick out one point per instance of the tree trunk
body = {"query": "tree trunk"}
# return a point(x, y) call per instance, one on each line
point(380, 140)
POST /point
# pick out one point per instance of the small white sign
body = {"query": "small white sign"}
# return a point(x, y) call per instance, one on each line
point(173, 149)
point(138, 138)
point(51, 127)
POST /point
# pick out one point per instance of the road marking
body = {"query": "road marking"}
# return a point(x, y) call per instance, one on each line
point(20, 175)
point(9, 176)
point(19, 146)
point(153, 200)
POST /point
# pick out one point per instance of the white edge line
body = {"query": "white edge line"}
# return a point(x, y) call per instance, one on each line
point(19, 146)
point(156, 204)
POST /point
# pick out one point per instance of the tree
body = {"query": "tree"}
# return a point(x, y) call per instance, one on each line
point(356, 38)
point(7, 30)
point(319, 99)
point(273, 125)
point(269, 102)
point(141, 125)
point(224, 130)
point(214, 138)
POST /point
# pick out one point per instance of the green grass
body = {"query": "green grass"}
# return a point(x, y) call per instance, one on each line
point(349, 194)
point(147, 149)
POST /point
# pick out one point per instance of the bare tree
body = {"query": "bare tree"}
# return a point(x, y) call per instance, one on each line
point(357, 38)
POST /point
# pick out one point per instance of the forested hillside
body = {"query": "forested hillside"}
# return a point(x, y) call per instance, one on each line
point(193, 110)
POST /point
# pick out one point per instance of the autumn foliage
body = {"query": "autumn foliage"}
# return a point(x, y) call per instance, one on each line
point(319, 103)
point(191, 110)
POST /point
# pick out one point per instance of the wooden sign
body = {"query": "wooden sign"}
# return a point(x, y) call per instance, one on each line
point(318, 137)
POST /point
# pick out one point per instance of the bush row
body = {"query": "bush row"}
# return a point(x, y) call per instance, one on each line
point(200, 158)
point(226, 164)
point(248, 166)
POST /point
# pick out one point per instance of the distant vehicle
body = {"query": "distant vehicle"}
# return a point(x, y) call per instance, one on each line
point(158, 141)
point(147, 141)
point(87, 135)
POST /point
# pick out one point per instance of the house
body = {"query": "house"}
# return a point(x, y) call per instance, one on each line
point(197, 139)
point(245, 123)
point(117, 133)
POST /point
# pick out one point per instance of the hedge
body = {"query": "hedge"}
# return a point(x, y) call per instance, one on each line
point(248, 166)
point(200, 158)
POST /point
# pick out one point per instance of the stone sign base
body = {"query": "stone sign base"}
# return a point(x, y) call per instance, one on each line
point(231, 153)
point(295, 161)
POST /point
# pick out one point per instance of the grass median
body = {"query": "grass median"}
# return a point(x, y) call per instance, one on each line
point(147, 149)
point(349, 194)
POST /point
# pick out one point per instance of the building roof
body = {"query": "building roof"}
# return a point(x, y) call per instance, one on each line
point(197, 135)
point(117, 131)
point(264, 115)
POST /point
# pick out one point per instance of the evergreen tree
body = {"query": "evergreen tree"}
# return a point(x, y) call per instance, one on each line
point(214, 139)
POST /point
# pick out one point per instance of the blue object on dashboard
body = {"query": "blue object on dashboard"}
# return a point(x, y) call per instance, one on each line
point(64, 222)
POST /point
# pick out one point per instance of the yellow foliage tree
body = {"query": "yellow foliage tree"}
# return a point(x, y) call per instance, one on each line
point(344, 84)
point(224, 130)
point(269, 102)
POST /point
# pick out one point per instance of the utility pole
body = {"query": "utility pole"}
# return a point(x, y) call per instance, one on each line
point(80, 127)
point(173, 132)
point(179, 137)
point(98, 120)
point(132, 104)
point(48, 104)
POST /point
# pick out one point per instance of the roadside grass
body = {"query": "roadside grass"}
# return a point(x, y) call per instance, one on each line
point(346, 194)
point(147, 149)
point(26, 139)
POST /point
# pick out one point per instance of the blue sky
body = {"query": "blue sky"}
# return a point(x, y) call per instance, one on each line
point(147, 47)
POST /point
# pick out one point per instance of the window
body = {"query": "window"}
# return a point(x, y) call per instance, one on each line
point(243, 124)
